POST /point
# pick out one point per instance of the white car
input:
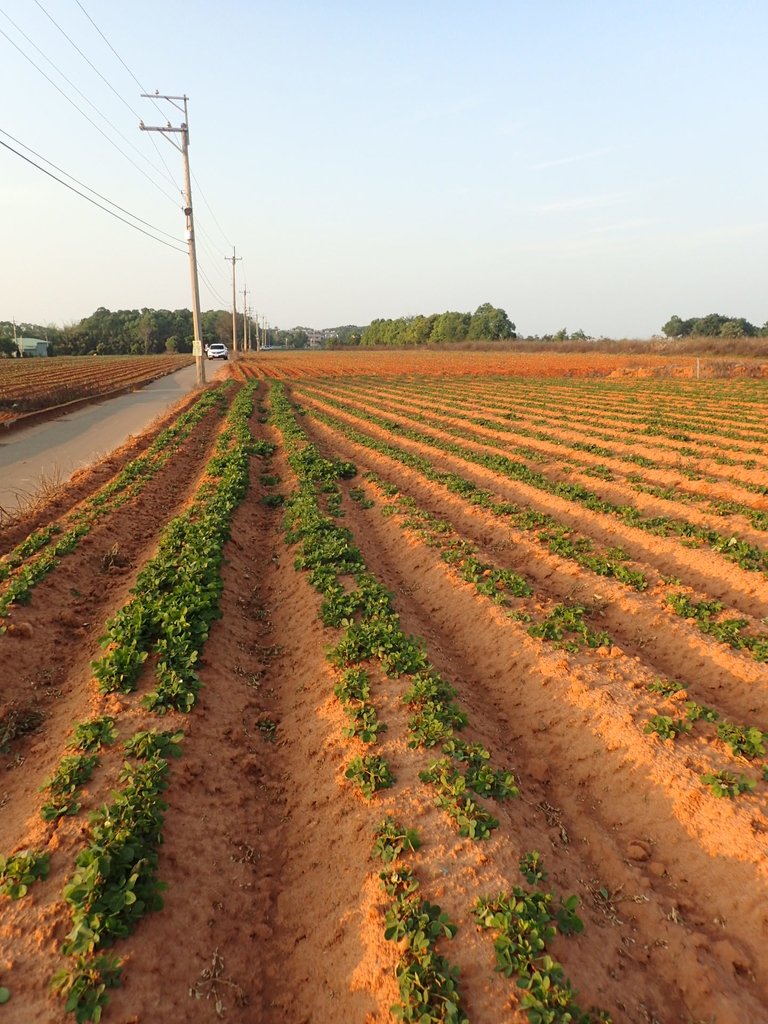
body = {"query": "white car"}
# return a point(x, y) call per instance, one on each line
point(217, 351)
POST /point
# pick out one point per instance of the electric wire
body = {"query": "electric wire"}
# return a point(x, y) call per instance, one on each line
point(211, 288)
point(157, 106)
point(93, 106)
point(79, 109)
point(143, 88)
point(214, 258)
point(210, 208)
point(88, 187)
point(87, 59)
point(106, 209)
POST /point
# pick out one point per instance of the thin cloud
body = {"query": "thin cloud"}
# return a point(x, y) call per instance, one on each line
point(582, 203)
point(624, 225)
point(574, 159)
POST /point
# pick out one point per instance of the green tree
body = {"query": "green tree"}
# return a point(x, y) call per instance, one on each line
point(490, 323)
point(675, 327)
point(451, 326)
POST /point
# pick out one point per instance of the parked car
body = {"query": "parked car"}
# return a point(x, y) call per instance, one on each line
point(217, 351)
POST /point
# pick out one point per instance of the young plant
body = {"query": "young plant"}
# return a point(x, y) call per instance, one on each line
point(726, 784)
point(84, 986)
point(370, 774)
point(392, 839)
point(666, 727)
point(72, 773)
point(532, 867)
point(95, 733)
point(145, 745)
point(18, 872)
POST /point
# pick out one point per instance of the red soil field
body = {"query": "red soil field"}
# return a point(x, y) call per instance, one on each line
point(34, 385)
point(582, 557)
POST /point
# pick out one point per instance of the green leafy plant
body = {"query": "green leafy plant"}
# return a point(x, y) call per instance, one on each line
point(748, 742)
point(666, 727)
point(665, 687)
point(369, 773)
point(19, 871)
point(428, 983)
point(70, 776)
point(84, 986)
point(726, 784)
point(472, 819)
point(532, 867)
point(392, 839)
point(95, 733)
point(145, 745)
point(525, 924)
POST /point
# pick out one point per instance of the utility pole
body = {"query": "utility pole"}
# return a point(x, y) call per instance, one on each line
point(264, 331)
point(249, 329)
point(183, 130)
point(245, 314)
point(233, 260)
point(258, 340)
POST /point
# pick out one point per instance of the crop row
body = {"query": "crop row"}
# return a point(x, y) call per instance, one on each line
point(617, 410)
point(745, 555)
point(565, 625)
point(758, 518)
point(550, 414)
point(31, 384)
point(176, 598)
point(730, 632)
point(31, 561)
point(371, 631)
point(736, 633)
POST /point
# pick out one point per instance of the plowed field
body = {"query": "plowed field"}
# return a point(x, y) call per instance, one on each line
point(35, 385)
point(378, 696)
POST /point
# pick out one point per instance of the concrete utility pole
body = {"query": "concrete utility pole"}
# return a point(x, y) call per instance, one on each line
point(245, 314)
point(234, 259)
point(258, 339)
point(183, 130)
point(248, 333)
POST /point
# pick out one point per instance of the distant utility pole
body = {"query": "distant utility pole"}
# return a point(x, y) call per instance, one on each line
point(183, 130)
point(233, 260)
point(258, 339)
point(245, 314)
point(249, 329)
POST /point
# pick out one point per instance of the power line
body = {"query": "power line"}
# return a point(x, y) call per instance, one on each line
point(214, 291)
point(87, 59)
point(202, 194)
point(79, 109)
point(88, 198)
point(89, 189)
point(143, 89)
point(210, 254)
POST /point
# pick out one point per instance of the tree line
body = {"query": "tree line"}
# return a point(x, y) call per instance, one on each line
point(134, 332)
point(487, 323)
point(713, 325)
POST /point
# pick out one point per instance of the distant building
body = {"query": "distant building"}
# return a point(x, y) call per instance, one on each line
point(32, 346)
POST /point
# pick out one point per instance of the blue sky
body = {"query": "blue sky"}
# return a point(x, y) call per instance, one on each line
point(594, 165)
